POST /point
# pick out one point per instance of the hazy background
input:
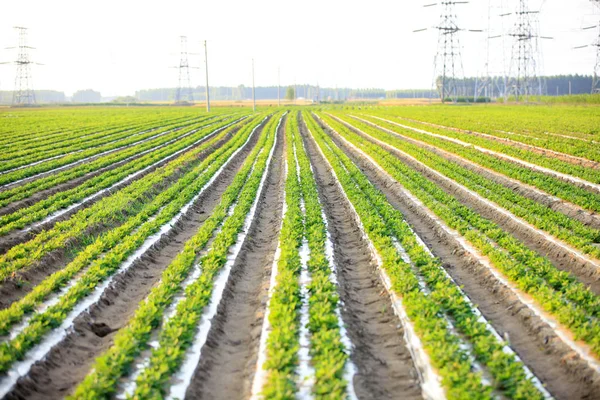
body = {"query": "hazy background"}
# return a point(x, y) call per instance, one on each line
point(117, 47)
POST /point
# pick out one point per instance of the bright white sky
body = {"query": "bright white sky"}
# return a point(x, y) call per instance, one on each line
point(119, 46)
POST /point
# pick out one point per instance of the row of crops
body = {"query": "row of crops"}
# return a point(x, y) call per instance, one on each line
point(409, 252)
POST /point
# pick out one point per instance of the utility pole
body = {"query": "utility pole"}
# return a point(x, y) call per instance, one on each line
point(23, 94)
point(318, 93)
point(253, 94)
point(206, 65)
point(278, 86)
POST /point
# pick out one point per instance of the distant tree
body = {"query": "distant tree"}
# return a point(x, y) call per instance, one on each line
point(290, 94)
point(87, 96)
point(125, 99)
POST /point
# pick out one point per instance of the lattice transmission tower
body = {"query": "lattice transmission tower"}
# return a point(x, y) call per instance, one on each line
point(596, 44)
point(183, 94)
point(596, 79)
point(23, 94)
point(524, 77)
point(447, 65)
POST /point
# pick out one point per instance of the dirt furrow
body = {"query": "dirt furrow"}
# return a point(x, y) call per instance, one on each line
point(229, 355)
point(571, 210)
point(572, 179)
point(94, 157)
point(29, 201)
point(385, 367)
point(561, 370)
point(525, 146)
point(57, 374)
point(24, 281)
point(559, 253)
point(22, 235)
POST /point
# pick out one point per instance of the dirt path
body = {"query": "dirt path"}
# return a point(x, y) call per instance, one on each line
point(68, 362)
point(385, 368)
point(229, 356)
point(585, 270)
point(26, 280)
point(556, 365)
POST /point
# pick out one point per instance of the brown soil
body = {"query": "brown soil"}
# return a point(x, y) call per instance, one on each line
point(25, 280)
point(562, 259)
point(20, 236)
point(229, 356)
point(29, 201)
point(74, 164)
point(563, 373)
point(524, 146)
point(571, 210)
point(385, 367)
point(58, 373)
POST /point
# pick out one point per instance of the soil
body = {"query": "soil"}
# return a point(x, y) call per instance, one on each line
point(67, 363)
point(73, 164)
point(229, 356)
point(570, 179)
point(586, 271)
point(588, 218)
point(534, 149)
point(385, 367)
point(26, 280)
point(22, 235)
point(29, 201)
point(564, 374)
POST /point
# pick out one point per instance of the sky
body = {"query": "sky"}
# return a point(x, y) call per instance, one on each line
point(118, 47)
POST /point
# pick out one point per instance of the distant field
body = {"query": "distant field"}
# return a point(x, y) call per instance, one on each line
point(404, 250)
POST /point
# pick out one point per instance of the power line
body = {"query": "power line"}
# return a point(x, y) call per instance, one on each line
point(253, 90)
point(492, 81)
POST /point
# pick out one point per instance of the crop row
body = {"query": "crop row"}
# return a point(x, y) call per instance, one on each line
point(68, 159)
point(545, 182)
point(553, 163)
point(303, 221)
point(177, 332)
point(180, 192)
point(108, 211)
point(32, 130)
point(103, 258)
point(44, 155)
point(432, 301)
point(27, 189)
point(555, 223)
point(44, 149)
point(558, 292)
point(567, 129)
point(64, 199)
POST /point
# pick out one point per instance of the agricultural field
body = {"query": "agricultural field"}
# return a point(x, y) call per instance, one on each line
point(339, 252)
